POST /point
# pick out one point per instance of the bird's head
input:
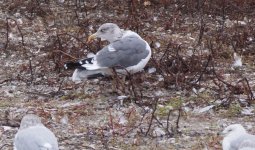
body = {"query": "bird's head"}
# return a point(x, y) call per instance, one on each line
point(107, 31)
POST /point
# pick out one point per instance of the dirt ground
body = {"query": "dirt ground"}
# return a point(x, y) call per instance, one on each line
point(190, 90)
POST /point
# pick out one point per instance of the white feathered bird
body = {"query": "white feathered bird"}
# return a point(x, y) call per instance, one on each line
point(33, 135)
point(236, 138)
point(127, 52)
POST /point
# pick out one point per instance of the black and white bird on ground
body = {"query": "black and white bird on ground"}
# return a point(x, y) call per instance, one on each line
point(33, 135)
point(127, 52)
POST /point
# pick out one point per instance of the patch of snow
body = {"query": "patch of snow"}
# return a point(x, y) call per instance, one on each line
point(194, 90)
point(158, 132)
point(205, 109)
point(70, 104)
point(17, 14)
point(159, 93)
point(148, 109)
point(147, 25)
point(242, 23)
point(8, 93)
point(152, 70)
point(6, 128)
point(155, 18)
point(186, 109)
point(157, 44)
point(229, 23)
point(192, 38)
point(123, 120)
point(247, 111)
point(201, 90)
point(19, 21)
point(160, 78)
point(64, 120)
point(238, 61)
point(226, 76)
point(190, 52)
point(121, 97)
point(250, 39)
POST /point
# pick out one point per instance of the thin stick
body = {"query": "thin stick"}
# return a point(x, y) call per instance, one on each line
point(31, 70)
point(152, 116)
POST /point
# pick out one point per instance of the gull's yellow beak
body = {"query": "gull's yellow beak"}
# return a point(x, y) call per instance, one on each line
point(91, 37)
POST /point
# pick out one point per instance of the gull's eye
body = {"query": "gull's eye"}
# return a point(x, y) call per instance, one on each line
point(102, 30)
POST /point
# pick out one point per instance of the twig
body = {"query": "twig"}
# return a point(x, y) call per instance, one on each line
point(167, 123)
point(250, 94)
point(60, 85)
point(204, 70)
point(104, 142)
point(223, 15)
point(202, 24)
point(152, 116)
point(31, 70)
point(178, 118)
point(22, 39)
point(7, 35)
point(111, 121)
point(40, 94)
point(4, 146)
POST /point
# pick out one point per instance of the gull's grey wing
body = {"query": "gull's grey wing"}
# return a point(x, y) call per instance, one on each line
point(244, 142)
point(123, 53)
point(35, 138)
point(248, 143)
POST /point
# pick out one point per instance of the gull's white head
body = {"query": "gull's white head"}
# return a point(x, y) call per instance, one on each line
point(30, 120)
point(108, 31)
point(233, 129)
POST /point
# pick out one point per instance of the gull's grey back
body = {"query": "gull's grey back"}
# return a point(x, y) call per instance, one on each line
point(128, 52)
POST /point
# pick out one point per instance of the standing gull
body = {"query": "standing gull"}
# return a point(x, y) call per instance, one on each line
point(236, 138)
point(33, 135)
point(127, 53)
